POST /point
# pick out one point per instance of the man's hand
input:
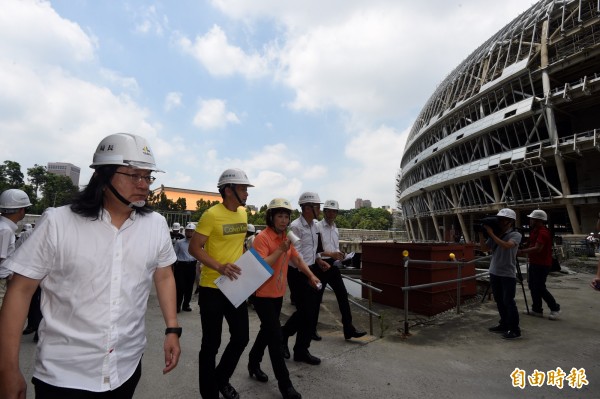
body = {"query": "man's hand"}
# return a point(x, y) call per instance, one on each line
point(172, 352)
point(323, 265)
point(12, 385)
point(230, 270)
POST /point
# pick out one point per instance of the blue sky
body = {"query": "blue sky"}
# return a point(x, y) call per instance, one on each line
point(303, 95)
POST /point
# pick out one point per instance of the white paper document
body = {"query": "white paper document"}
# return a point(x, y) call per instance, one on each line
point(255, 271)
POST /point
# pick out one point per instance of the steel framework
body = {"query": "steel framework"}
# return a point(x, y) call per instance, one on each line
point(516, 124)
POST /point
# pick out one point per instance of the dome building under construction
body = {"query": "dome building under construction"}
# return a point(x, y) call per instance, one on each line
point(517, 125)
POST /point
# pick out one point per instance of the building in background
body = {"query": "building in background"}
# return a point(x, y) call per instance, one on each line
point(361, 203)
point(514, 125)
point(65, 169)
point(191, 196)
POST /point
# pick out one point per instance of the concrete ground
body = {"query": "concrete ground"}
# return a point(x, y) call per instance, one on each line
point(446, 356)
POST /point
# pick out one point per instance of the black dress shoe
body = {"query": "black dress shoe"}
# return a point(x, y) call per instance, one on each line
point(257, 373)
point(315, 336)
point(354, 333)
point(29, 330)
point(306, 357)
point(187, 309)
point(289, 393)
point(229, 392)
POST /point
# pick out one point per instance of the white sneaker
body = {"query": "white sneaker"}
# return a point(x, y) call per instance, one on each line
point(554, 315)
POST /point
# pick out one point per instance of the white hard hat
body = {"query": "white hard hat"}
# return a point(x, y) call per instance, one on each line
point(538, 214)
point(250, 228)
point(309, 197)
point(13, 198)
point(331, 204)
point(27, 226)
point(233, 176)
point(280, 203)
point(124, 149)
point(176, 226)
point(507, 213)
point(190, 226)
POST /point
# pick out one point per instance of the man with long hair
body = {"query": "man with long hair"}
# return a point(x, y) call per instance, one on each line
point(95, 261)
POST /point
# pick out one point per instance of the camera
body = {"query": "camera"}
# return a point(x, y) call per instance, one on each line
point(491, 221)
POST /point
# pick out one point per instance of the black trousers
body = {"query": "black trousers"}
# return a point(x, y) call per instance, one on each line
point(185, 275)
point(504, 290)
point(214, 306)
point(536, 279)
point(333, 277)
point(125, 391)
point(303, 320)
point(269, 335)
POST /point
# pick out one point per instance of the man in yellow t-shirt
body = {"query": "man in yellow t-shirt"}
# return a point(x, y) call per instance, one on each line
point(217, 243)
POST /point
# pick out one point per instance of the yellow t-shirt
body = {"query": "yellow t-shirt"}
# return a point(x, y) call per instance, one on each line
point(226, 231)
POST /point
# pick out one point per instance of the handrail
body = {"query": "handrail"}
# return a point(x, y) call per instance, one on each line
point(458, 281)
point(369, 309)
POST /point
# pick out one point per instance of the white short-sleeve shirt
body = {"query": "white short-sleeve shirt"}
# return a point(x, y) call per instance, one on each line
point(95, 282)
point(7, 243)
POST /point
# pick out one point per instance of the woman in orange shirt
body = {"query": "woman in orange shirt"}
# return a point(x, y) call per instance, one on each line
point(273, 245)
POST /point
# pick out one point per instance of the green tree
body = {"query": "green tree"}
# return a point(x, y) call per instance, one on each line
point(160, 202)
point(201, 206)
point(57, 191)
point(10, 175)
point(365, 218)
point(37, 176)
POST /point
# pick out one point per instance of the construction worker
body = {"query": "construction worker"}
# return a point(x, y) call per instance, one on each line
point(331, 275)
point(13, 206)
point(95, 260)
point(540, 262)
point(217, 244)
point(303, 320)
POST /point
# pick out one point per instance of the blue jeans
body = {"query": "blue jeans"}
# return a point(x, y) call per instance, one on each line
point(214, 306)
point(504, 290)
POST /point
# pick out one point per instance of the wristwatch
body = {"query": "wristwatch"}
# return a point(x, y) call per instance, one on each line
point(174, 330)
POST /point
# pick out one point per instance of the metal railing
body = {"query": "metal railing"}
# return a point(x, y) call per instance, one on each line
point(457, 280)
point(369, 310)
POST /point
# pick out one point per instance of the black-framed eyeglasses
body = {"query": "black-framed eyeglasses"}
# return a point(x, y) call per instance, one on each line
point(135, 178)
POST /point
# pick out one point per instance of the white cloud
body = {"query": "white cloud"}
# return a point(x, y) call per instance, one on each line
point(33, 32)
point(148, 21)
point(212, 114)
point(373, 60)
point(173, 100)
point(49, 112)
point(220, 58)
point(126, 83)
point(373, 157)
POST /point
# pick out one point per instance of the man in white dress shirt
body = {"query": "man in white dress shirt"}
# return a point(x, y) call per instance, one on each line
point(330, 238)
point(95, 261)
point(13, 206)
